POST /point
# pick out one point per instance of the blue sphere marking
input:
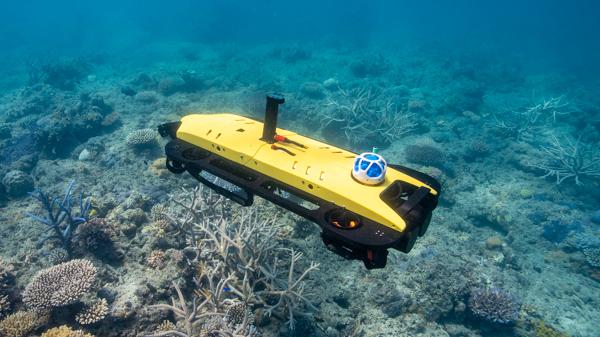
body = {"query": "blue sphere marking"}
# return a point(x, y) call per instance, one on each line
point(374, 171)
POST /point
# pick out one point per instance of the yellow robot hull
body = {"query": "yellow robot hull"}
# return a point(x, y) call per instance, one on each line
point(308, 177)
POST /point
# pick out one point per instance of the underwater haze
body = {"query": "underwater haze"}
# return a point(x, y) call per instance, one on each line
point(499, 101)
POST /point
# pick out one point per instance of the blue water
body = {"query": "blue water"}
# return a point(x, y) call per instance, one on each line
point(498, 101)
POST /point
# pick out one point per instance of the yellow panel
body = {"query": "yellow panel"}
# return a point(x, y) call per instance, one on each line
point(320, 169)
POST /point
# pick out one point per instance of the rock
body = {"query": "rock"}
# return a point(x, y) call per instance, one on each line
point(170, 85)
point(5, 131)
point(85, 155)
point(331, 84)
point(312, 90)
point(596, 217)
point(17, 183)
point(2, 192)
point(471, 115)
point(494, 243)
point(146, 97)
point(128, 91)
point(394, 309)
point(135, 216)
point(425, 154)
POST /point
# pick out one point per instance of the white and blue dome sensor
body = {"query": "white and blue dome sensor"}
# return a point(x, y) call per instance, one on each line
point(369, 168)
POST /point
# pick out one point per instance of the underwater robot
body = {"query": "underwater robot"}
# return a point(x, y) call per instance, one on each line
point(363, 205)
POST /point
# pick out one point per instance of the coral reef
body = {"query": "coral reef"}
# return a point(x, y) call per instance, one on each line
point(17, 183)
point(21, 323)
point(494, 305)
point(592, 256)
point(61, 219)
point(544, 330)
point(65, 331)
point(569, 159)
point(141, 138)
point(63, 74)
point(364, 115)
point(484, 123)
point(60, 285)
point(369, 66)
point(235, 257)
point(424, 154)
point(94, 313)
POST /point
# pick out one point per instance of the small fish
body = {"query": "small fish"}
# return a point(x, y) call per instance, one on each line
point(226, 289)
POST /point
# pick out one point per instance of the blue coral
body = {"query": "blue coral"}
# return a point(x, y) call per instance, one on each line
point(61, 218)
point(494, 305)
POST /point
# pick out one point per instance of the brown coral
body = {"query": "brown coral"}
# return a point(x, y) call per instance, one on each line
point(165, 326)
point(94, 313)
point(60, 285)
point(21, 323)
point(4, 305)
point(65, 331)
point(156, 259)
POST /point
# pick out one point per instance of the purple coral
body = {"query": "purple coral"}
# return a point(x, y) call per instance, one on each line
point(494, 305)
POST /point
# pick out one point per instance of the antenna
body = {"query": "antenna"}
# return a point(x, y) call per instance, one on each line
point(270, 124)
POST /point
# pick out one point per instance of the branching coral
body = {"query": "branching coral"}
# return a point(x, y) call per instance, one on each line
point(365, 115)
point(567, 158)
point(232, 319)
point(21, 323)
point(65, 331)
point(61, 218)
point(93, 313)
point(526, 122)
point(60, 285)
point(494, 305)
point(236, 259)
point(191, 315)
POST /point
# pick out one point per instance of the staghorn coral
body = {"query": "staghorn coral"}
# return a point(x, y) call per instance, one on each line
point(65, 331)
point(93, 313)
point(365, 115)
point(21, 323)
point(527, 122)
point(141, 138)
point(206, 319)
point(567, 158)
point(494, 305)
point(60, 285)
point(236, 258)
